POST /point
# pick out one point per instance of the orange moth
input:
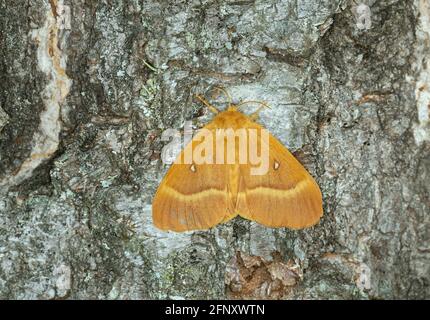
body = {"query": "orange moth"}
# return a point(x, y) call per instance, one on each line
point(195, 195)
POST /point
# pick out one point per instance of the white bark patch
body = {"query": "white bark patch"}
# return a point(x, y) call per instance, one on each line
point(63, 280)
point(4, 119)
point(422, 66)
point(52, 62)
point(363, 279)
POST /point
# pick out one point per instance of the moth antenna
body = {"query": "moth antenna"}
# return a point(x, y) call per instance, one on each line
point(254, 115)
point(230, 101)
point(207, 104)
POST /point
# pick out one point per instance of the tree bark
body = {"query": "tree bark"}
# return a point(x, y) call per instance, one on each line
point(88, 87)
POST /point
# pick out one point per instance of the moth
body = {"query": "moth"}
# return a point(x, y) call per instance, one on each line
point(197, 196)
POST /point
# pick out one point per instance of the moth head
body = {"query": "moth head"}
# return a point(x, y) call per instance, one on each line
point(235, 107)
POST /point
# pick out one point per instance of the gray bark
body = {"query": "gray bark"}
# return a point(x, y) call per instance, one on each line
point(87, 87)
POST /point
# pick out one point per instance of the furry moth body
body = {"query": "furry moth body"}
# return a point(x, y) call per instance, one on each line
point(200, 196)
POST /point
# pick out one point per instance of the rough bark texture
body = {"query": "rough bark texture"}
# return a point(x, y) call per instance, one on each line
point(87, 87)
